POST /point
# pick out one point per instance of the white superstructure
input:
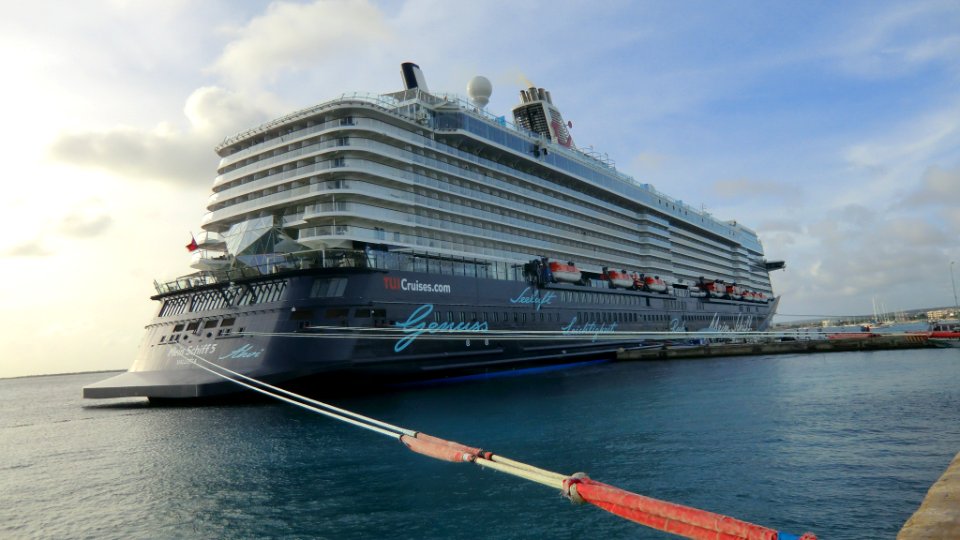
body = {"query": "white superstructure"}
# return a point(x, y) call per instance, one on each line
point(418, 171)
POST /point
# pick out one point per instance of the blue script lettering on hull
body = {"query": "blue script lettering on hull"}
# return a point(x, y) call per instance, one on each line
point(588, 328)
point(742, 323)
point(243, 352)
point(416, 325)
point(534, 297)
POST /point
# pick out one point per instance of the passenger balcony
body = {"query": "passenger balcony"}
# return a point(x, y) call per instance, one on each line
point(205, 259)
point(211, 241)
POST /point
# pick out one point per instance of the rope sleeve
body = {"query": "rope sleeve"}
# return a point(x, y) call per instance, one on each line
point(451, 444)
point(670, 517)
point(447, 452)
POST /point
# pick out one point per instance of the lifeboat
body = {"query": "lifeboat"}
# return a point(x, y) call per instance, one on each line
point(760, 297)
point(565, 273)
point(655, 284)
point(734, 292)
point(697, 292)
point(620, 279)
point(714, 289)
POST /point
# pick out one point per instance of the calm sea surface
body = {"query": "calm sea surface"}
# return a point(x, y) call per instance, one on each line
point(843, 445)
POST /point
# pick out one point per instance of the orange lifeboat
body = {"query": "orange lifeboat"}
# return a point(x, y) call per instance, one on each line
point(655, 284)
point(620, 279)
point(734, 292)
point(714, 289)
point(565, 273)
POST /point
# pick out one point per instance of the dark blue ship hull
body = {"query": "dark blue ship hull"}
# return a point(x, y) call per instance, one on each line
point(320, 327)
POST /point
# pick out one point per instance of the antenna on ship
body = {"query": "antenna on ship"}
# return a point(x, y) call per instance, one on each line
point(480, 89)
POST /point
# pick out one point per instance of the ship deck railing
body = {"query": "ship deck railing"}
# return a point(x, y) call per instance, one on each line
point(407, 261)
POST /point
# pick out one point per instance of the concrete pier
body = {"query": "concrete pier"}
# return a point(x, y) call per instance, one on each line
point(939, 514)
point(866, 342)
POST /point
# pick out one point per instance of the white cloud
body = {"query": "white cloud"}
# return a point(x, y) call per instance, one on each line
point(83, 220)
point(86, 220)
point(753, 189)
point(291, 37)
point(891, 42)
point(165, 153)
point(938, 187)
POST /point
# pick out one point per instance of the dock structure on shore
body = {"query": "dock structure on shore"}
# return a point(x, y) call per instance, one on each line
point(939, 514)
point(856, 342)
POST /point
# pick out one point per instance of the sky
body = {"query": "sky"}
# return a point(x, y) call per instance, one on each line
point(830, 128)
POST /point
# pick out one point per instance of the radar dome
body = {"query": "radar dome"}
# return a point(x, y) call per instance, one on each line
point(479, 89)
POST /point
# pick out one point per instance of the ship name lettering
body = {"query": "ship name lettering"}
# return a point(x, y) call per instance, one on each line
point(416, 325)
point(243, 352)
point(534, 297)
point(588, 328)
point(742, 323)
point(201, 350)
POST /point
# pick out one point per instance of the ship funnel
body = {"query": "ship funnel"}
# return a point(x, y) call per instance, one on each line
point(538, 114)
point(413, 77)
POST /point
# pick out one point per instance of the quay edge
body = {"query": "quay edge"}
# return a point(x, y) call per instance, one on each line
point(939, 514)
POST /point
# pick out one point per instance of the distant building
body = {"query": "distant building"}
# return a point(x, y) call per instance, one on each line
point(941, 314)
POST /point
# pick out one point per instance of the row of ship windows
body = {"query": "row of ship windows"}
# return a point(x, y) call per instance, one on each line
point(290, 149)
point(505, 316)
point(623, 184)
point(462, 169)
point(487, 248)
point(335, 287)
point(485, 208)
point(507, 196)
point(309, 127)
point(343, 206)
point(503, 228)
point(312, 125)
point(197, 328)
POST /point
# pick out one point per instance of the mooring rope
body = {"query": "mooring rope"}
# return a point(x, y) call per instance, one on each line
point(673, 518)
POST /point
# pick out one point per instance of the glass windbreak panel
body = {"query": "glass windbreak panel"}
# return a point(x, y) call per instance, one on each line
point(244, 234)
point(328, 287)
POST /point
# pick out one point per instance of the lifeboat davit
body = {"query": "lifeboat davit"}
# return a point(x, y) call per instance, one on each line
point(565, 273)
point(620, 279)
point(655, 284)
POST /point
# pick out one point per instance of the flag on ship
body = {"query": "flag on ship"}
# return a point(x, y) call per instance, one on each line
point(192, 246)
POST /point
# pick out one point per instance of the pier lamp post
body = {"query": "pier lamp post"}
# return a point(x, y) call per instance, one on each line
point(956, 305)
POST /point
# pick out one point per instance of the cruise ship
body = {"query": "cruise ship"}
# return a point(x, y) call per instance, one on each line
point(415, 235)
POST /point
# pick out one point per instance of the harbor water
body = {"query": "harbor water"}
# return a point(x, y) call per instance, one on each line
point(843, 445)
